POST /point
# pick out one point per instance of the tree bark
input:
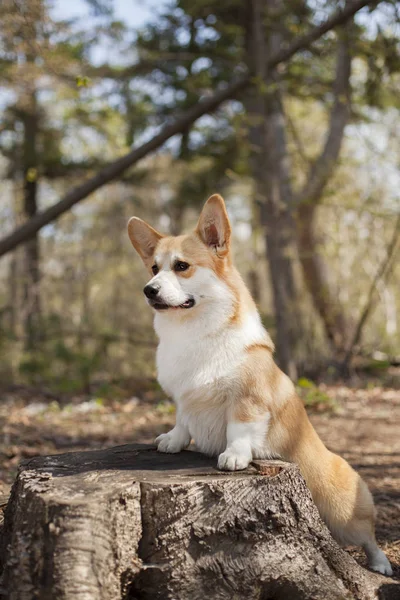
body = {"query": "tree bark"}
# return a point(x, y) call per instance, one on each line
point(130, 523)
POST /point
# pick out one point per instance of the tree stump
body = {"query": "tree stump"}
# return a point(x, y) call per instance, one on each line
point(130, 523)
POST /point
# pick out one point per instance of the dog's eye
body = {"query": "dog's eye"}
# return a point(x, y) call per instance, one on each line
point(155, 269)
point(181, 266)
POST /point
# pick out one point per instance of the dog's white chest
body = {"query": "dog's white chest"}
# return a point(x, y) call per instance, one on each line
point(185, 366)
point(189, 359)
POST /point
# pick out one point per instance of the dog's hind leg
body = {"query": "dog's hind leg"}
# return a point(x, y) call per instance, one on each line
point(360, 530)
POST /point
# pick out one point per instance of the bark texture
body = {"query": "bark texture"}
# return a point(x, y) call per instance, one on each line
point(129, 523)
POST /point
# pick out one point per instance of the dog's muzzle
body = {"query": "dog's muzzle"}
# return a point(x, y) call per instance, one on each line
point(152, 293)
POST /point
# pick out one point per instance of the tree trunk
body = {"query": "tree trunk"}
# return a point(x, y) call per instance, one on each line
point(280, 228)
point(271, 171)
point(13, 293)
point(130, 523)
point(316, 277)
point(315, 269)
point(281, 251)
point(32, 310)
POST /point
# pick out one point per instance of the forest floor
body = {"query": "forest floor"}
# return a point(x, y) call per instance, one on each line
point(361, 422)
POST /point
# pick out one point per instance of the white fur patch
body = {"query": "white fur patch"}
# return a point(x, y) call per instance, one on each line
point(199, 350)
point(170, 291)
point(174, 441)
point(245, 441)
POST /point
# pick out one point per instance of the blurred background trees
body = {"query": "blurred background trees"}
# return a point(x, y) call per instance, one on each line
point(306, 155)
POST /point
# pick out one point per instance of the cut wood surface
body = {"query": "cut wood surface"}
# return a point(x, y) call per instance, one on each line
point(130, 523)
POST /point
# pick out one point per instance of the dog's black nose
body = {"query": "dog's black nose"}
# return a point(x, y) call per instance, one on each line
point(151, 291)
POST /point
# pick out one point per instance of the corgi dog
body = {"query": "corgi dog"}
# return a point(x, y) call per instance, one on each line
point(215, 359)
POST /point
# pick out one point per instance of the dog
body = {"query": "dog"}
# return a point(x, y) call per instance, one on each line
point(215, 359)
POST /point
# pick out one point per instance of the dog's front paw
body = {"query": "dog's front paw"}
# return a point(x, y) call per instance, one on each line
point(231, 461)
point(171, 442)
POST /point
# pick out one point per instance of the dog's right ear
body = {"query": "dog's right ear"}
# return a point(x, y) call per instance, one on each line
point(214, 227)
point(143, 237)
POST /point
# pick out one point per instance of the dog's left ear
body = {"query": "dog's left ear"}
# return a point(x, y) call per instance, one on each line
point(213, 226)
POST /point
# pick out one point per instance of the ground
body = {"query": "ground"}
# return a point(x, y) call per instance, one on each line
point(363, 426)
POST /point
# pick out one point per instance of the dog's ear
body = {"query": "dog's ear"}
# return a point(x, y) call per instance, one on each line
point(143, 237)
point(213, 226)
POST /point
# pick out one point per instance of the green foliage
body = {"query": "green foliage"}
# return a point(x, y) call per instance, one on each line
point(64, 366)
point(376, 366)
point(33, 366)
point(166, 407)
point(313, 397)
point(207, 40)
point(382, 59)
point(58, 53)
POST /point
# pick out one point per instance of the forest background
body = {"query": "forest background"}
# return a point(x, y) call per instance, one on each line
point(290, 110)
